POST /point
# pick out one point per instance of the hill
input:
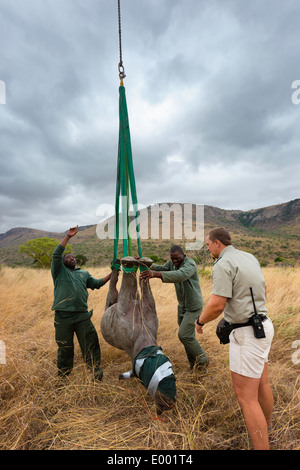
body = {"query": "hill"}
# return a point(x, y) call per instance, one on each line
point(270, 233)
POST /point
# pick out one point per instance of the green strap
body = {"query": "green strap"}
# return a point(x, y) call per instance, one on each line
point(125, 184)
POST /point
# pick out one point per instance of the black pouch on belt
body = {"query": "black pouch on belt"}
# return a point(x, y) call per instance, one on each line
point(224, 329)
point(256, 321)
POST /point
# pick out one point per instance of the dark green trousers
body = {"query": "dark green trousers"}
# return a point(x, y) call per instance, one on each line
point(66, 325)
point(186, 334)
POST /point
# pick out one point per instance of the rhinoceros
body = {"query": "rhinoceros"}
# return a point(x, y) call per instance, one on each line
point(130, 323)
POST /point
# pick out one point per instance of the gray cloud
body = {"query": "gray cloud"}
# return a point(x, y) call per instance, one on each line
point(208, 89)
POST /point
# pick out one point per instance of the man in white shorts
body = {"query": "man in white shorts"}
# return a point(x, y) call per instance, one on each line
point(233, 274)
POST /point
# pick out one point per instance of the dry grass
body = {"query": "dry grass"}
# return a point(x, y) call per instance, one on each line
point(37, 412)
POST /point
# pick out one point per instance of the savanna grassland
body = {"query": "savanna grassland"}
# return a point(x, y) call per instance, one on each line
point(37, 412)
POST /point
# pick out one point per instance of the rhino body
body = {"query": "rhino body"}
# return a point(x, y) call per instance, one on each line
point(130, 320)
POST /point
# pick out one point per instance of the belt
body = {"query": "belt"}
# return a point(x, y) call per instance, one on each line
point(248, 323)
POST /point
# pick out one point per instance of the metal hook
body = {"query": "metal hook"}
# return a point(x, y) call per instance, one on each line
point(121, 70)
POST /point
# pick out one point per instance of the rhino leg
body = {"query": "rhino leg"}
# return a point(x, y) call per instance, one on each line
point(112, 295)
point(148, 319)
point(129, 293)
point(148, 302)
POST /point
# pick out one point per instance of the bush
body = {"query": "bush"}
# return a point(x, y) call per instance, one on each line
point(284, 261)
point(81, 259)
point(41, 250)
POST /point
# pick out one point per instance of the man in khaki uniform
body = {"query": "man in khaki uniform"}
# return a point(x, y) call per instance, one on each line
point(234, 272)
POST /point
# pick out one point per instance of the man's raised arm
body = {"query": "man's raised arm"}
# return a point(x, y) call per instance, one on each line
point(71, 232)
point(57, 261)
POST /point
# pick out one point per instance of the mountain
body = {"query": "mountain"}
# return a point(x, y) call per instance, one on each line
point(268, 233)
point(20, 235)
point(277, 219)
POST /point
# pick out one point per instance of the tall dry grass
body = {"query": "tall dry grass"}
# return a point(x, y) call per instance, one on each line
point(38, 412)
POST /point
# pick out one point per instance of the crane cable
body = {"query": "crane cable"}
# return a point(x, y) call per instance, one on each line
point(125, 183)
point(120, 66)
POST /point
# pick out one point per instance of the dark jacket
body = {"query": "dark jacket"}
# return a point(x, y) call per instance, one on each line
point(186, 281)
point(70, 286)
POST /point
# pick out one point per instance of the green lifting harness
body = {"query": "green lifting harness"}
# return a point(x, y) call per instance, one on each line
point(125, 183)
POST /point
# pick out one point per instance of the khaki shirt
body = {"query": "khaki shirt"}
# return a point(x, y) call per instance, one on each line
point(233, 274)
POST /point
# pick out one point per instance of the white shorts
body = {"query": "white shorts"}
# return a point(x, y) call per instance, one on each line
point(247, 354)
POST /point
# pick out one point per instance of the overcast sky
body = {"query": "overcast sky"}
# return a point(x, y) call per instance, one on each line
point(209, 95)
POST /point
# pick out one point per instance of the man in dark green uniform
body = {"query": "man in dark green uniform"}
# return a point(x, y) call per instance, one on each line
point(182, 271)
point(71, 310)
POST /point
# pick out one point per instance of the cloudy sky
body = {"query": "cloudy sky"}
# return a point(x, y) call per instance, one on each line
point(209, 95)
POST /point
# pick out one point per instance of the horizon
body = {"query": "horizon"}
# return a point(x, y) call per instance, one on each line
point(143, 208)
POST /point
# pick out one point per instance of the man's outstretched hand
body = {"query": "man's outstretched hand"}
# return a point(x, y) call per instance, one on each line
point(72, 231)
point(149, 274)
